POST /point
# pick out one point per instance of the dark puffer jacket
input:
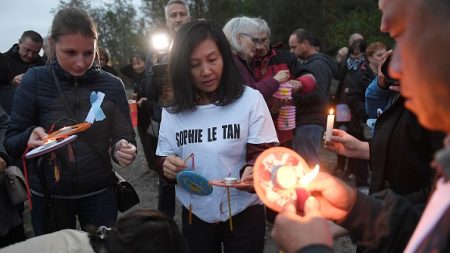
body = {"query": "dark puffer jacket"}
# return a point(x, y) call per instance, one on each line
point(37, 103)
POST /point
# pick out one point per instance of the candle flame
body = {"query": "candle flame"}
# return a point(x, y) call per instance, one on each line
point(331, 112)
point(306, 179)
point(286, 177)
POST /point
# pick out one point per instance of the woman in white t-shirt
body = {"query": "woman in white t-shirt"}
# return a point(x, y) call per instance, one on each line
point(225, 125)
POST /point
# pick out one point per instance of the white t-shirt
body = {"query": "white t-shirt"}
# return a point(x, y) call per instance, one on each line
point(217, 136)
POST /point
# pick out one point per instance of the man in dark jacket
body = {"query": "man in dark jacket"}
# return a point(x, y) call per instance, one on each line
point(16, 62)
point(312, 108)
point(177, 14)
point(386, 225)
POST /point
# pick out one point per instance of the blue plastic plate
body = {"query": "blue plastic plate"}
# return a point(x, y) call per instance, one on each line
point(194, 183)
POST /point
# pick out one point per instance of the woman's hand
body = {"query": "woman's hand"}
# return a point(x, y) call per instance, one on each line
point(17, 79)
point(247, 177)
point(282, 76)
point(124, 153)
point(296, 86)
point(335, 198)
point(140, 101)
point(172, 165)
point(37, 137)
point(292, 232)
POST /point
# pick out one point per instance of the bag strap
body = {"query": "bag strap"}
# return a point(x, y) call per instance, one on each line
point(48, 199)
point(72, 116)
point(61, 94)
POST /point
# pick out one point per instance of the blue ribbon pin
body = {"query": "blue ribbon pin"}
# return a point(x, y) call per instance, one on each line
point(96, 113)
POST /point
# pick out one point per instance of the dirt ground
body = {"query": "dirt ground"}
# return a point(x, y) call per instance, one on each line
point(145, 182)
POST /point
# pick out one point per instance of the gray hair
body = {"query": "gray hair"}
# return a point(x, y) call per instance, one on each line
point(236, 26)
point(262, 26)
point(166, 8)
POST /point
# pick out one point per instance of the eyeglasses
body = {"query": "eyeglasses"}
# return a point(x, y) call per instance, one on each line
point(254, 39)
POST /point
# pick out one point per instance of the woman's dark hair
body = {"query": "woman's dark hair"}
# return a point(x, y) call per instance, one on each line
point(141, 230)
point(186, 39)
point(138, 55)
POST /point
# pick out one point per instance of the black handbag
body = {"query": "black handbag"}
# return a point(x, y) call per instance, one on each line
point(15, 185)
point(126, 196)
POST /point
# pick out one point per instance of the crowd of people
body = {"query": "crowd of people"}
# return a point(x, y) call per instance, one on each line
point(211, 104)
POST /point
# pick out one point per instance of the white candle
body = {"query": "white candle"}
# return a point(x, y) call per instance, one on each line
point(330, 123)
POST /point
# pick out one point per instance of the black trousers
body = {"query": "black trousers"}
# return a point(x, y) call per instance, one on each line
point(249, 228)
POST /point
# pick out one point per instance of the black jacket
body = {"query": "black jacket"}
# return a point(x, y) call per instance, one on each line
point(12, 65)
point(402, 151)
point(37, 103)
point(313, 108)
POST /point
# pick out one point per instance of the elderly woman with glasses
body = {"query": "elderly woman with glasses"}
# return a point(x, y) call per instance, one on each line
point(243, 36)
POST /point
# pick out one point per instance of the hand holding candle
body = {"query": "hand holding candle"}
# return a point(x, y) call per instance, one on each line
point(278, 173)
point(330, 125)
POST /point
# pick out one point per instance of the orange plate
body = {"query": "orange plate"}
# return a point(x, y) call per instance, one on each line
point(221, 183)
point(264, 174)
point(68, 131)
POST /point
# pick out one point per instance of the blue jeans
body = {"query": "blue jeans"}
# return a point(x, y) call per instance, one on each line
point(307, 141)
point(97, 210)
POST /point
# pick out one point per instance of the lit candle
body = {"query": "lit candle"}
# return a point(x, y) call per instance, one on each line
point(291, 177)
point(330, 123)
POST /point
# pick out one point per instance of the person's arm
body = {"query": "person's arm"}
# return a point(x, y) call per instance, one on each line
point(253, 151)
point(267, 87)
point(323, 70)
point(376, 98)
point(23, 116)
point(123, 140)
point(345, 144)
point(4, 159)
point(384, 225)
point(306, 82)
point(306, 233)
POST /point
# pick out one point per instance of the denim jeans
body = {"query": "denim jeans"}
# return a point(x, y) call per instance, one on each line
point(307, 141)
point(97, 210)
